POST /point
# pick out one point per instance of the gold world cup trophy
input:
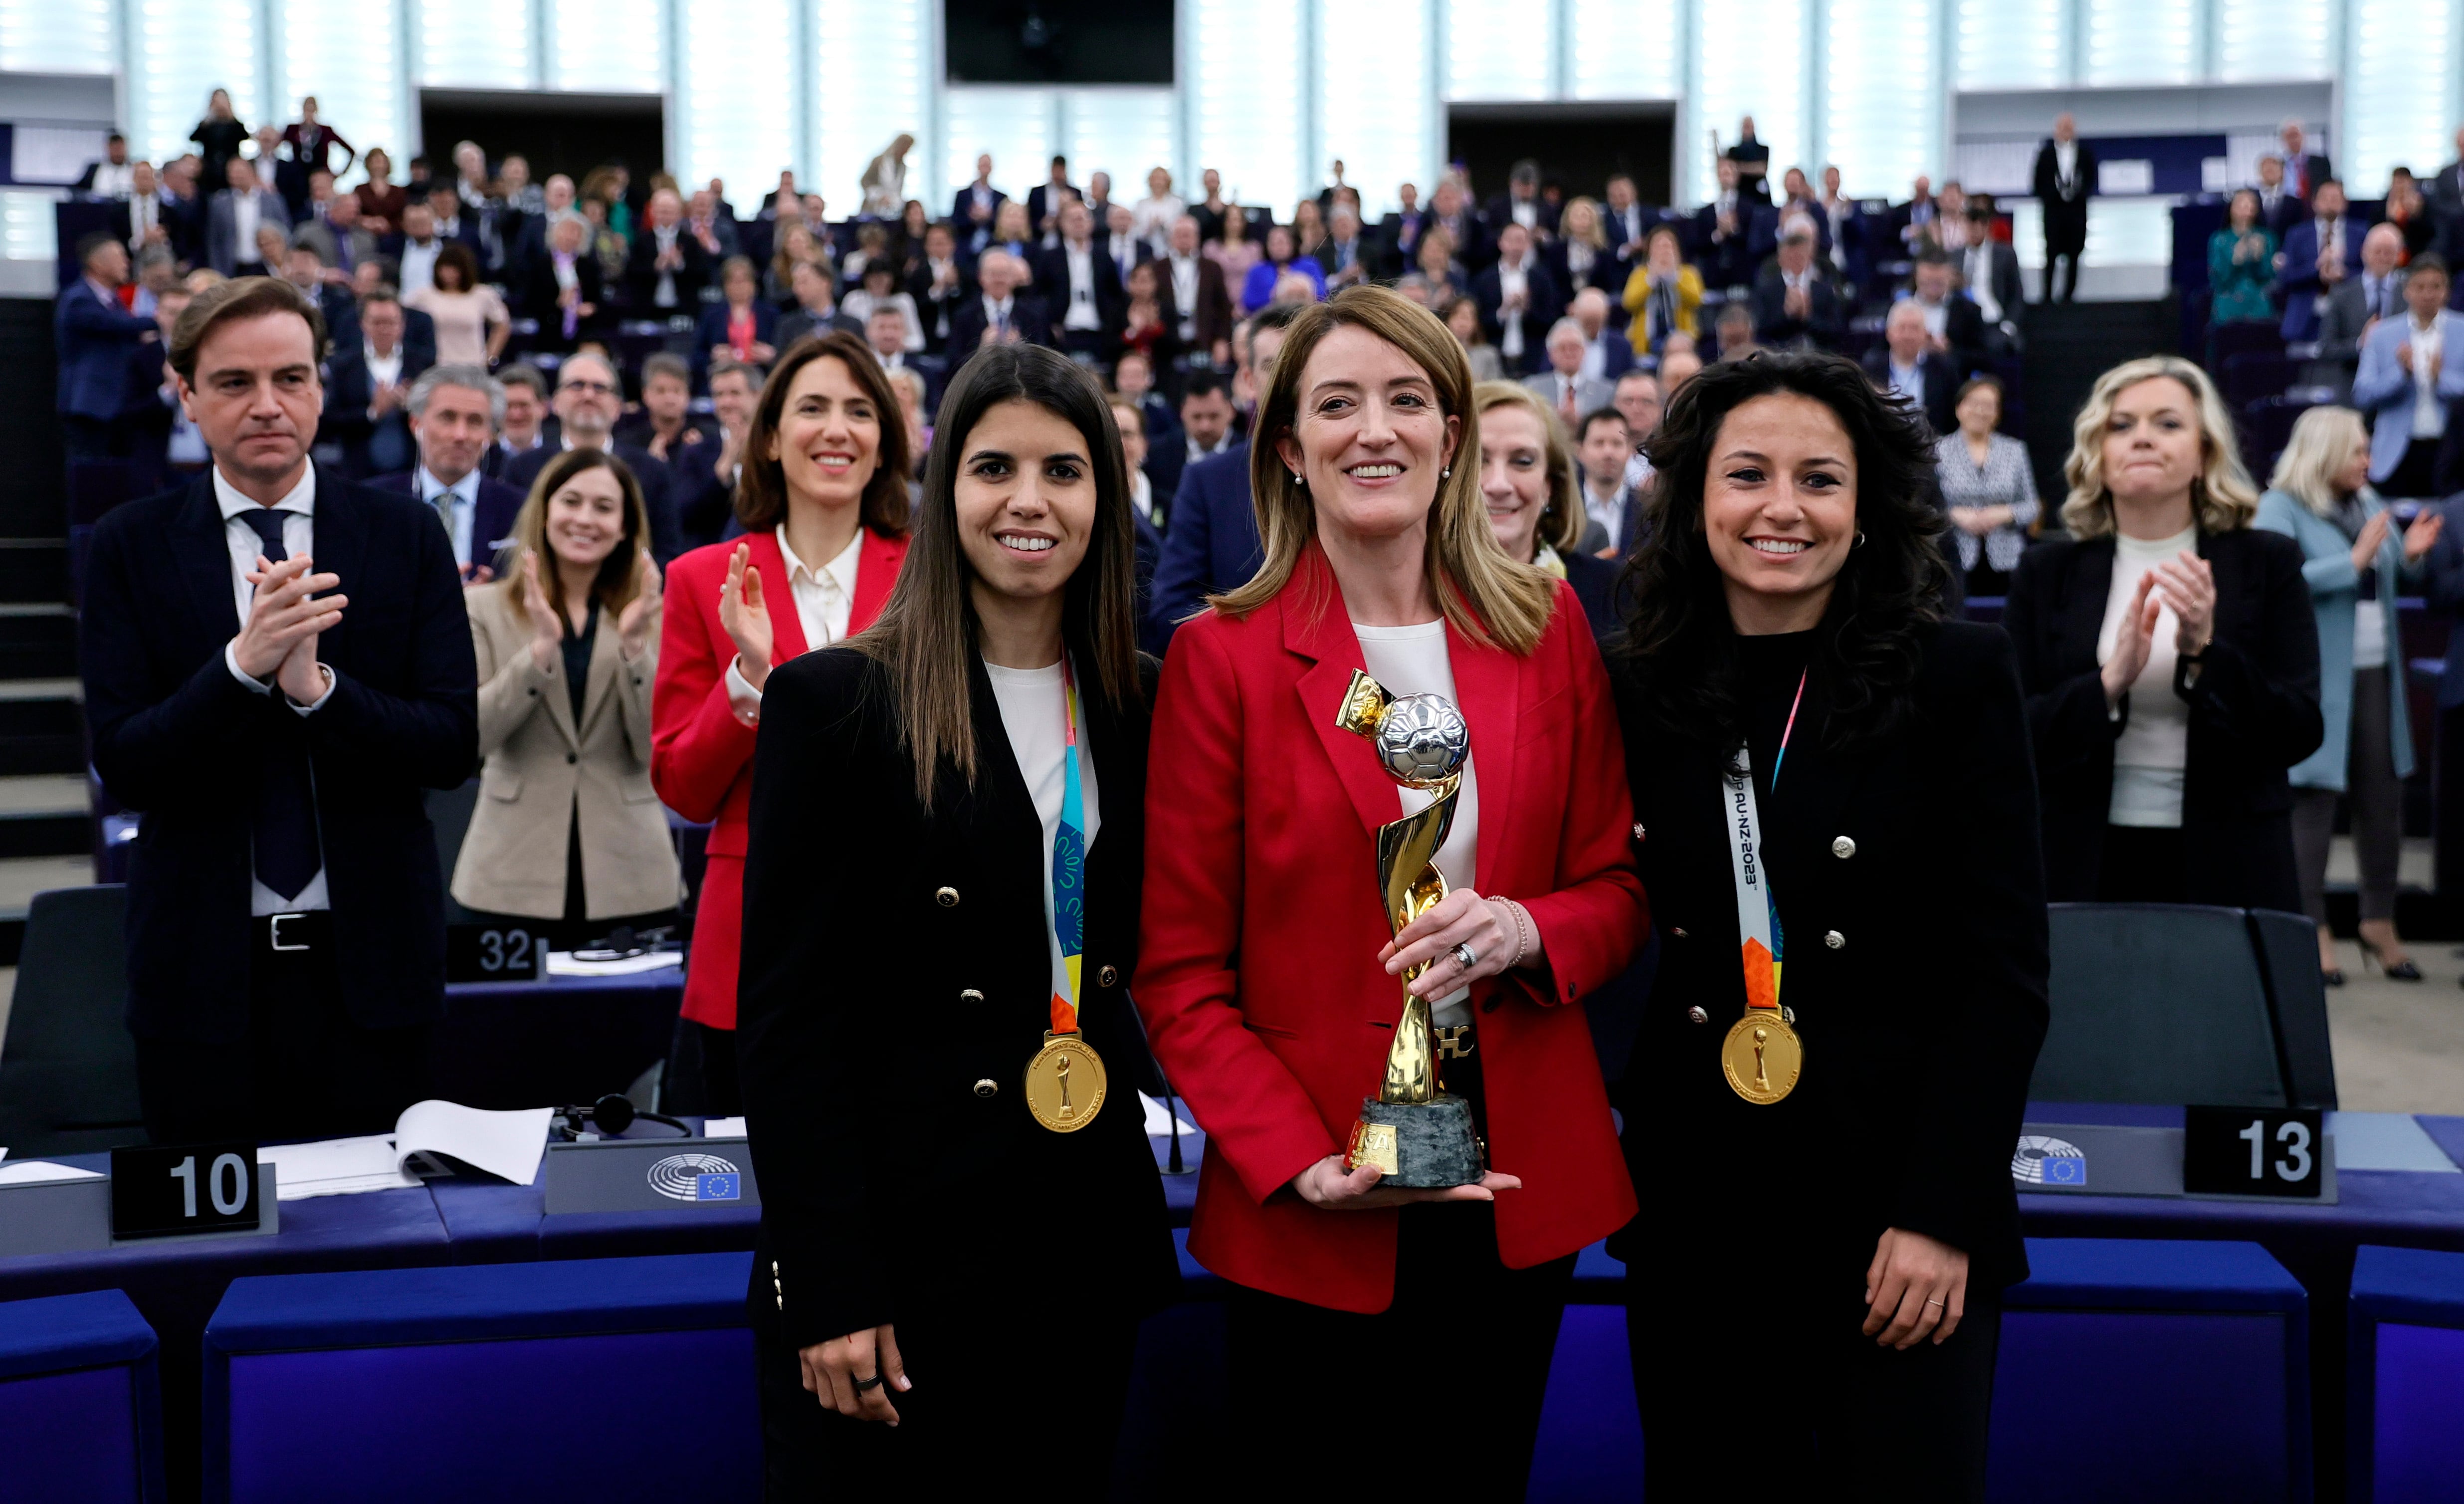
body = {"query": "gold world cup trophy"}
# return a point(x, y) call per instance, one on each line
point(1412, 1130)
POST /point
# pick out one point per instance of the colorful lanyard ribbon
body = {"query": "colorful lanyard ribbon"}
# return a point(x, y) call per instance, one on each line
point(1069, 864)
point(1758, 925)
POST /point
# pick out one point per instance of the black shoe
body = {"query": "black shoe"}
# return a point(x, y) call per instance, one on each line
point(2401, 971)
point(2334, 977)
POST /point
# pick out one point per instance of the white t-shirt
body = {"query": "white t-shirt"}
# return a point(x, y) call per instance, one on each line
point(1412, 660)
point(2154, 746)
point(1034, 716)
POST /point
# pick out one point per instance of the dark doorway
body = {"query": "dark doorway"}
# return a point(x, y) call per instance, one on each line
point(569, 133)
point(1578, 146)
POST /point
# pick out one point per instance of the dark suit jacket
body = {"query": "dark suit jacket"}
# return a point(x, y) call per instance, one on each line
point(930, 308)
point(1499, 213)
point(222, 249)
point(967, 325)
point(1211, 543)
point(177, 737)
point(1597, 584)
point(1823, 324)
point(2298, 285)
point(642, 276)
point(1722, 263)
point(539, 294)
point(492, 520)
point(1608, 274)
point(867, 1201)
point(1936, 1108)
point(2445, 589)
point(349, 388)
point(2066, 219)
point(1041, 203)
point(95, 339)
point(1547, 304)
point(1213, 301)
point(705, 500)
point(666, 539)
point(1052, 285)
point(1940, 384)
point(2254, 714)
point(1762, 233)
point(711, 332)
point(960, 202)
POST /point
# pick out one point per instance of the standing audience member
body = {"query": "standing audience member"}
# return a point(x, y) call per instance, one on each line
point(816, 310)
point(2319, 252)
point(999, 314)
point(1794, 304)
point(667, 268)
point(665, 427)
point(742, 325)
point(237, 215)
point(286, 921)
point(454, 411)
point(1989, 487)
point(1530, 484)
point(2355, 309)
point(96, 341)
point(2169, 658)
point(2064, 180)
point(1258, 288)
point(567, 828)
point(1462, 319)
point(822, 497)
point(382, 200)
point(706, 473)
point(590, 398)
point(365, 406)
point(219, 137)
point(472, 324)
point(1605, 448)
point(526, 423)
point(1518, 301)
point(1906, 366)
point(2321, 497)
point(2406, 383)
point(1563, 385)
point(1212, 544)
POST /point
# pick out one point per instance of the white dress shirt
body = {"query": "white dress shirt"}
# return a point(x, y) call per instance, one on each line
point(824, 598)
point(112, 181)
point(1608, 511)
point(1082, 287)
point(419, 264)
point(458, 504)
point(997, 313)
point(383, 370)
point(2066, 168)
point(1123, 253)
point(1512, 281)
point(244, 220)
point(298, 507)
point(1184, 293)
point(1980, 281)
point(1035, 718)
point(1908, 381)
point(144, 212)
point(663, 241)
point(2428, 410)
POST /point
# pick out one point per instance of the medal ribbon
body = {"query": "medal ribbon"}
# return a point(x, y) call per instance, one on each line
point(1758, 926)
point(1069, 864)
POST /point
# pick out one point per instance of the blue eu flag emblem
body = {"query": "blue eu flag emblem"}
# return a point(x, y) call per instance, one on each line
point(2059, 1171)
point(717, 1188)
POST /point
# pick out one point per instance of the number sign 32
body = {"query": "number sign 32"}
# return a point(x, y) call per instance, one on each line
point(493, 953)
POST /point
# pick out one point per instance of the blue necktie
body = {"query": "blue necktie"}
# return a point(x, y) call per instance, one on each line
point(283, 824)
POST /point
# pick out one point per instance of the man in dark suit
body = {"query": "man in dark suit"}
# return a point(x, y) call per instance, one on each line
point(817, 308)
point(1954, 326)
point(669, 268)
point(1117, 237)
point(2347, 315)
point(95, 339)
point(1203, 428)
point(2319, 253)
point(1198, 294)
point(1720, 229)
point(1521, 204)
point(939, 284)
point(588, 398)
point(999, 314)
point(1082, 289)
point(975, 207)
point(1044, 201)
point(1212, 543)
point(1793, 304)
point(456, 220)
point(2064, 180)
point(184, 210)
point(1915, 219)
point(1796, 202)
point(366, 421)
point(1518, 300)
point(704, 475)
point(1906, 363)
point(2304, 169)
point(286, 923)
point(1349, 256)
point(455, 411)
point(2445, 193)
point(1989, 272)
point(237, 213)
point(2279, 208)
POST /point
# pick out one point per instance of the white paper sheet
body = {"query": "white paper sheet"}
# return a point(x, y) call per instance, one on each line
point(33, 1172)
point(510, 1144)
point(1159, 1121)
point(337, 1167)
point(562, 964)
point(722, 1127)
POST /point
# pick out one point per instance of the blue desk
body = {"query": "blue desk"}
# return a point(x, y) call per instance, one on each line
point(551, 1042)
point(2408, 1375)
point(81, 1401)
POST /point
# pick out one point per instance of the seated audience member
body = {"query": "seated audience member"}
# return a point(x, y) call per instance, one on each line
point(454, 412)
point(232, 220)
point(999, 314)
point(588, 398)
point(526, 422)
point(1202, 427)
point(1133, 380)
point(885, 334)
point(1953, 326)
point(1663, 294)
point(1607, 353)
point(471, 323)
point(2356, 308)
point(668, 267)
point(1989, 272)
point(2169, 658)
point(705, 473)
point(1563, 385)
point(1908, 364)
point(938, 283)
point(285, 935)
point(817, 310)
point(792, 246)
point(565, 287)
point(1678, 367)
point(2407, 382)
point(1732, 333)
point(2356, 560)
point(1613, 509)
point(2320, 251)
point(1462, 319)
point(1528, 478)
point(1260, 287)
point(1579, 259)
point(1988, 486)
point(95, 340)
point(741, 325)
point(1639, 402)
point(665, 426)
point(882, 289)
point(2241, 264)
point(567, 828)
point(1793, 304)
point(368, 383)
point(1518, 301)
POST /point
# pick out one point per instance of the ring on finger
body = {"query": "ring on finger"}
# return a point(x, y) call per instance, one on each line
point(863, 1385)
point(1465, 956)
point(1934, 1303)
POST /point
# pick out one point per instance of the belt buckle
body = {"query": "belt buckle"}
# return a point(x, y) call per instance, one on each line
point(275, 931)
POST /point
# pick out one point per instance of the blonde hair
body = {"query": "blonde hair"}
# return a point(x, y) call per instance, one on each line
point(2222, 499)
point(1562, 520)
point(1598, 238)
point(1489, 598)
point(2321, 445)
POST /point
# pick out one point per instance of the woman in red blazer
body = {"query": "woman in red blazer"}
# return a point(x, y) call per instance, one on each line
point(822, 497)
point(1267, 993)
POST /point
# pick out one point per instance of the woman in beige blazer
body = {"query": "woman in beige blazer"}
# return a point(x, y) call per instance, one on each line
point(567, 828)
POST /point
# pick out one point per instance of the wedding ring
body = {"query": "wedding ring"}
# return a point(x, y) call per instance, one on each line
point(874, 1383)
point(1466, 956)
point(1933, 1302)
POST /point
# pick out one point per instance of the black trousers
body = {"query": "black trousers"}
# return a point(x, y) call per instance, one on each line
point(305, 1070)
point(701, 1071)
point(1013, 1400)
point(1443, 1386)
point(2065, 256)
point(1765, 1388)
point(2417, 473)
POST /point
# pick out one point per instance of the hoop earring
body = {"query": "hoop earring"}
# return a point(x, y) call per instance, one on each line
point(1860, 539)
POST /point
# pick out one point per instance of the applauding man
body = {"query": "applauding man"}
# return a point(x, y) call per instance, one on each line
point(286, 944)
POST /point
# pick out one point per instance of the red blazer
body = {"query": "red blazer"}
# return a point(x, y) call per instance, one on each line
point(1258, 972)
point(701, 756)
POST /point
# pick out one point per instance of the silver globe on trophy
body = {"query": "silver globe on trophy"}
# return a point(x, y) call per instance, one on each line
point(1412, 1130)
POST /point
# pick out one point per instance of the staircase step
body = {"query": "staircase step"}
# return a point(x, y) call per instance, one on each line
point(33, 569)
point(42, 727)
point(45, 835)
point(38, 640)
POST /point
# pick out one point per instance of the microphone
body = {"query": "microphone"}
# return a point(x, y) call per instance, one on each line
point(611, 1115)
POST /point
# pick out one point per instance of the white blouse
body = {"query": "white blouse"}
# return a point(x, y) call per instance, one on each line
point(2154, 746)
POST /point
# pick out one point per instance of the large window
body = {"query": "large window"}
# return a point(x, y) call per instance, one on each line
point(1499, 49)
point(870, 81)
point(1749, 59)
point(350, 58)
point(180, 52)
point(616, 46)
point(1627, 50)
point(1126, 132)
point(475, 44)
point(737, 105)
point(1014, 125)
point(2140, 42)
point(58, 36)
point(2269, 39)
point(2397, 92)
point(1380, 121)
point(2012, 44)
point(1881, 88)
point(1245, 104)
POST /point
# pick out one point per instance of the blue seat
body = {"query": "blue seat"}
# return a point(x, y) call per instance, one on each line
point(2149, 1369)
point(617, 1378)
point(81, 1401)
point(2405, 1326)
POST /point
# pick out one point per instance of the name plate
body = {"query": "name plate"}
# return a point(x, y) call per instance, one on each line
point(2274, 1152)
point(494, 953)
point(74, 1216)
point(687, 1175)
point(162, 1191)
point(2096, 1160)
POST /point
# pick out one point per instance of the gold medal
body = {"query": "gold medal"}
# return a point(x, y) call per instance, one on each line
point(1064, 1083)
point(1761, 1056)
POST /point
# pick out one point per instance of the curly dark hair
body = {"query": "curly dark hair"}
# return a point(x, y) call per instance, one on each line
point(1679, 645)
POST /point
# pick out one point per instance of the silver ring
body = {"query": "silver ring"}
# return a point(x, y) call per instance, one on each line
point(1933, 1302)
point(1466, 956)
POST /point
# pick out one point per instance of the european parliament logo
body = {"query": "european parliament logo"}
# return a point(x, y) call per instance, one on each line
point(2040, 1160)
point(697, 1177)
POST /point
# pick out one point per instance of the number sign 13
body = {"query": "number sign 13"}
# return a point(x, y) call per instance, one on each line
point(2254, 1151)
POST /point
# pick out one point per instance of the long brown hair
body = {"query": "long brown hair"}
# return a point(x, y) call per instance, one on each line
point(762, 490)
point(1489, 598)
point(620, 577)
point(926, 634)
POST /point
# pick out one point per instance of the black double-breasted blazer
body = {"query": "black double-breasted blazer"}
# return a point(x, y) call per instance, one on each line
point(896, 978)
point(1912, 910)
point(2254, 714)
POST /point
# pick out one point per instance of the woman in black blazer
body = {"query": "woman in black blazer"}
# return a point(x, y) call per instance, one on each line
point(2170, 658)
point(1535, 501)
point(1815, 1288)
point(962, 1223)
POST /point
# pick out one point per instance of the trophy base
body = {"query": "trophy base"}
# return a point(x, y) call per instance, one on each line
point(1423, 1145)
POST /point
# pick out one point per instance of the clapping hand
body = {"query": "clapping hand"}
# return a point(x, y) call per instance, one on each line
point(745, 617)
point(2133, 638)
point(283, 616)
point(2422, 534)
point(547, 626)
point(2190, 589)
point(633, 622)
